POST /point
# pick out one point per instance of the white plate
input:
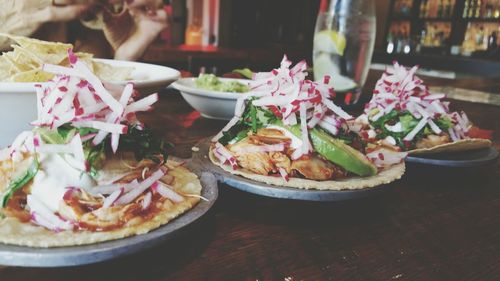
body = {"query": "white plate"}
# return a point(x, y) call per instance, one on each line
point(18, 100)
point(146, 77)
point(211, 104)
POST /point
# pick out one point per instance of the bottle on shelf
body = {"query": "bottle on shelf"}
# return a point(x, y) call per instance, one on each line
point(399, 43)
point(492, 41)
point(424, 8)
point(488, 11)
point(466, 9)
point(480, 38)
point(477, 12)
point(472, 7)
point(440, 9)
point(390, 43)
point(447, 9)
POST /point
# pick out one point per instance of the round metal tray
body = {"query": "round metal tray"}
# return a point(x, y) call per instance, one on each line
point(465, 159)
point(79, 255)
point(274, 191)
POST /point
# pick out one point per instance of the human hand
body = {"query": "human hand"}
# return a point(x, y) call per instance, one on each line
point(24, 17)
point(148, 20)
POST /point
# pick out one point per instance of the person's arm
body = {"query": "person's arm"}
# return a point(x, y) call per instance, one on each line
point(24, 17)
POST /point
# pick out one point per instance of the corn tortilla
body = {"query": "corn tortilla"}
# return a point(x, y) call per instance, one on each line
point(13, 231)
point(383, 177)
point(457, 146)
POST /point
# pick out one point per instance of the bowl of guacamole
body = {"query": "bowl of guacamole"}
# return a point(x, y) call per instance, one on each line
point(214, 83)
point(214, 97)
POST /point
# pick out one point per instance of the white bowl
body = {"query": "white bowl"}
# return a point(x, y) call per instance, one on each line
point(211, 104)
point(18, 100)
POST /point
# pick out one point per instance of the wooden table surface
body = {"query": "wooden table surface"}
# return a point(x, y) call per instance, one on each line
point(434, 224)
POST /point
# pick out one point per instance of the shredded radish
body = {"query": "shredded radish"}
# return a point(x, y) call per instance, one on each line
point(263, 148)
point(77, 97)
point(421, 124)
point(44, 216)
point(287, 93)
point(113, 187)
point(146, 201)
point(142, 105)
point(111, 199)
point(167, 192)
point(283, 173)
point(399, 88)
point(383, 157)
point(225, 155)
point(143, 186)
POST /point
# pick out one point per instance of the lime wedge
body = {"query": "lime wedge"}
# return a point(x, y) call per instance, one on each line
point(329, 41)
point(323, 65)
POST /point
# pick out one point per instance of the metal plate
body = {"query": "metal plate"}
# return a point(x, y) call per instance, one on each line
point(473, 158)
point(87, 254)
point(274, 191)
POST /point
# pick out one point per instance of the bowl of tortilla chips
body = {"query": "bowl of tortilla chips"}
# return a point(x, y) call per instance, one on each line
point(22, 68)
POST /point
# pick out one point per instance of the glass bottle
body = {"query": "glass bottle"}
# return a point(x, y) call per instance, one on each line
point(466, 9)
point(343, 44)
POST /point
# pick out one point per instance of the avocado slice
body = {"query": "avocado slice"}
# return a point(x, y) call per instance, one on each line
point(336, 151)
point(342, 154)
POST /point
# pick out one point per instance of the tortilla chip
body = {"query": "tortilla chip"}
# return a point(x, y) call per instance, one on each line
point(30, 54)
point(461, 145)
point(383, 177)
point(109, 73)
point(49, 52)
point(34, 75)
point(13, 231)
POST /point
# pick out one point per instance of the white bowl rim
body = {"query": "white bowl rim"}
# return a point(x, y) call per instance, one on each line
point(182, 86)
point(172, 74)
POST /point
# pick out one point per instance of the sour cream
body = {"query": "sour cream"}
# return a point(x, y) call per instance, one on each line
point(53, 179)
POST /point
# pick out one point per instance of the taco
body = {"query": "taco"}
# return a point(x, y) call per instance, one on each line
point(286, 131)
point(89, 171)
point(404, 113)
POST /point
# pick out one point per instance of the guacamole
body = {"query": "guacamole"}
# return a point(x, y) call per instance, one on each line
point(211, 82)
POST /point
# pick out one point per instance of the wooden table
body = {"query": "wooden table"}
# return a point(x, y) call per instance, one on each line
point(433, 225)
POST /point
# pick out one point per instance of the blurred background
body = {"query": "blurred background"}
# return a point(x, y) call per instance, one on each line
point(453, 37)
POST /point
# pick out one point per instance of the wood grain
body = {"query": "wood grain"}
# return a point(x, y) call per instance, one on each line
point(435, 224)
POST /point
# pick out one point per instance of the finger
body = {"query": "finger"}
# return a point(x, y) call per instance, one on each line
point(72, 2)
point(151, 4)
point(158, 16)
point(60, 13)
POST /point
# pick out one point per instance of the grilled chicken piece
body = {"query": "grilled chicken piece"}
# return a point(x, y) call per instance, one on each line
point(269, 136)
point(280, 160)
point(257, 162)
point(432, 140)
point(315, 168)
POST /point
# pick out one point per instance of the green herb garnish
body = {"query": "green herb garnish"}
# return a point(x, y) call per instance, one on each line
point(20, 182)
